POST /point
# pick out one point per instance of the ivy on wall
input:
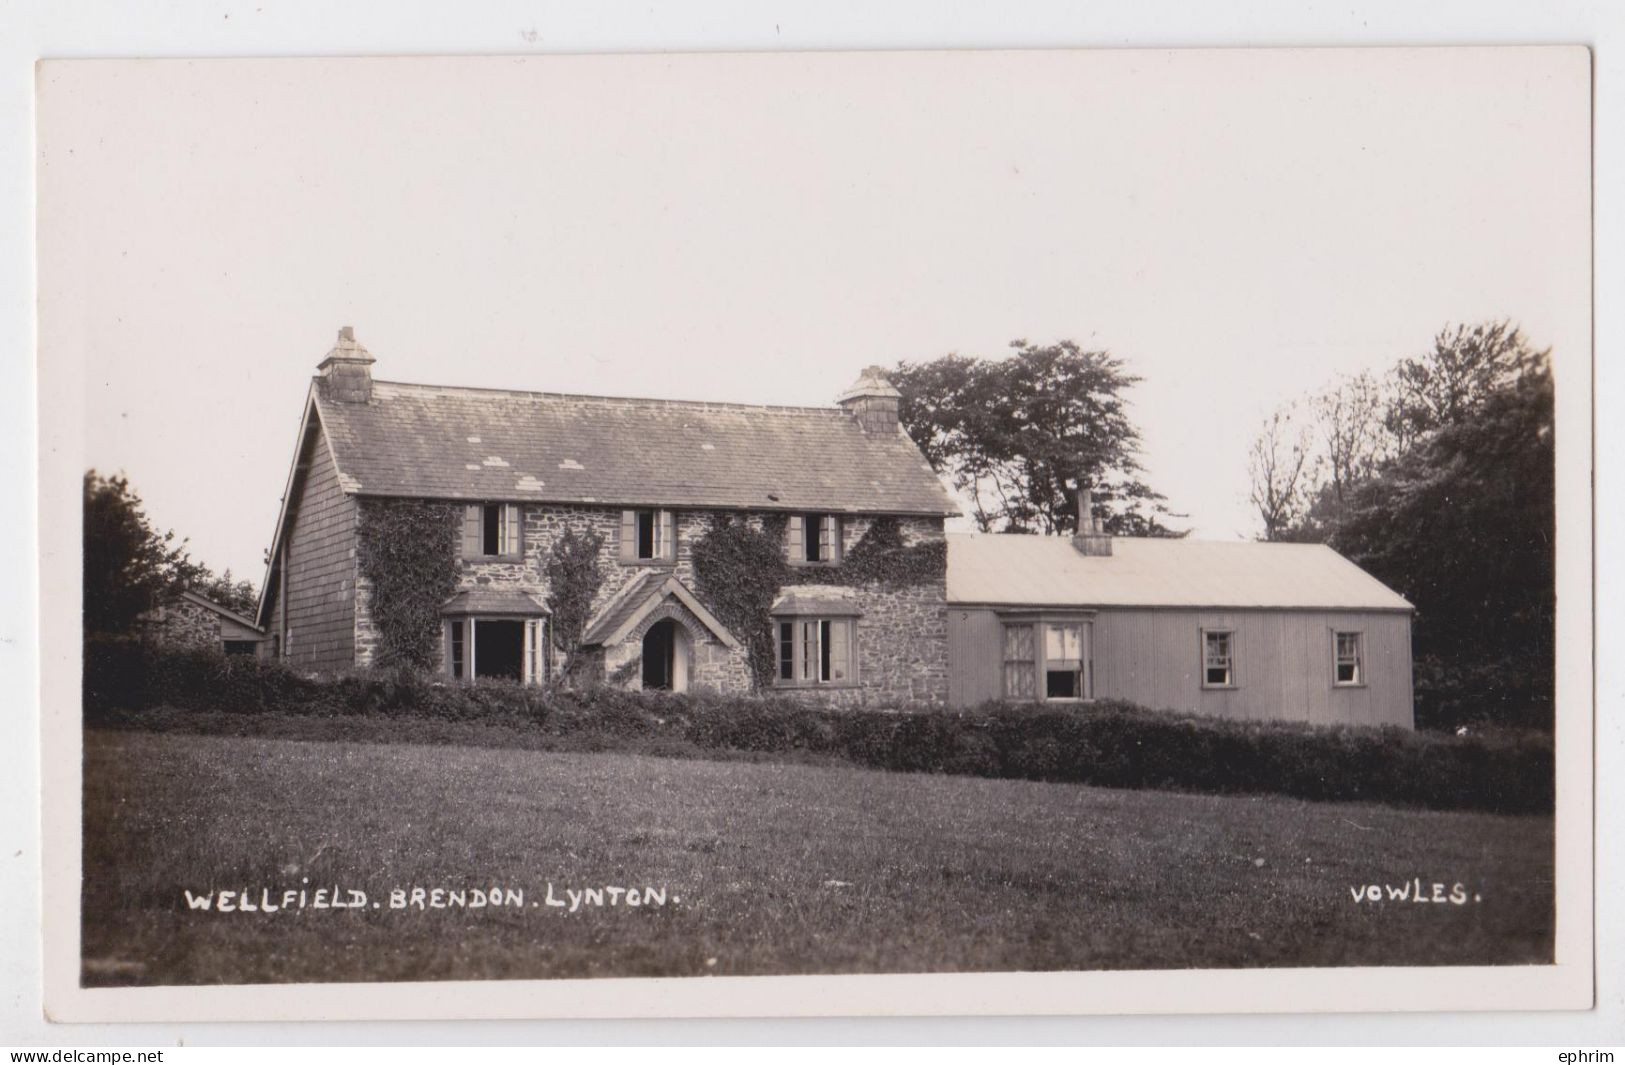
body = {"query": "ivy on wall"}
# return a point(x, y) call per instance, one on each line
point(739, 571)
point(407, 549)
point(573, 579)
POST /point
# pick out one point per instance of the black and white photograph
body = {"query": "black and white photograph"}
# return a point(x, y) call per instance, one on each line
point(657, 525)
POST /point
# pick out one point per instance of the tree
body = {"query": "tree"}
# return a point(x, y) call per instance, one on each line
point(1463, 525)
point(1349, 418)
point(129, 566)
point(1019, 436)
point(1280, 470)
point(1438, 479)
point(1466, 366)
point(573, 579)
point(229, 592)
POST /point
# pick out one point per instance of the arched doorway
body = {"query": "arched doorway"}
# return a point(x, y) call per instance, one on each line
point(665, 657)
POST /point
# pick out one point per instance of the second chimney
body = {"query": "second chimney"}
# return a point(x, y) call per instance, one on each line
point(346, 372)
point(1091, 538)
point(872, 401)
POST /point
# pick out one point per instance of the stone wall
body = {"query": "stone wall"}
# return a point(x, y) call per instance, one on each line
point(181, 623)
point(902, 635)
point(902, 639)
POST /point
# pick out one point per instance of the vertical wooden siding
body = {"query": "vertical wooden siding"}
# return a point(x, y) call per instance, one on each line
point(1283, 663)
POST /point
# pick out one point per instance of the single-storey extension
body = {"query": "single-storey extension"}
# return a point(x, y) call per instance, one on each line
point(1233, 629)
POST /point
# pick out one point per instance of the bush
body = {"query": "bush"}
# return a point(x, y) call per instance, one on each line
point(1105, 744)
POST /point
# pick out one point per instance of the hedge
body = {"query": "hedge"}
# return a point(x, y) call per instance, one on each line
point(1104, 744)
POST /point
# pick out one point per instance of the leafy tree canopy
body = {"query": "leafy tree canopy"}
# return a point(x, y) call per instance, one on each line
point(1017, 436)
point(130, 567)
point(1438, 478)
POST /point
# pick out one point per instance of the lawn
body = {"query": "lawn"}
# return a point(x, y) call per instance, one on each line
point(766, 868)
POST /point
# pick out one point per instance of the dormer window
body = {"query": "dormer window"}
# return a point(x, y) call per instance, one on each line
point(815, 539)
point(492, 530)
point(648, 536)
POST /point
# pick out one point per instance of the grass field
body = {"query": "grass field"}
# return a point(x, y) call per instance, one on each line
point(767, 869)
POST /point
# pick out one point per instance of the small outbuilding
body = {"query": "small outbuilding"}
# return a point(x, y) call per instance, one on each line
point(1260, 631)
point(187, 619)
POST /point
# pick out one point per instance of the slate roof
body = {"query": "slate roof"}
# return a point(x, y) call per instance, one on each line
point(1010, 570)
point(831, 602)
point(493, 601)
point(466, 443)
point(638, 599)
point(621, 606)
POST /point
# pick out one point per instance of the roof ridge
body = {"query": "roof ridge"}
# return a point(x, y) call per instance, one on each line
point(628, 401)
point(1066, 538)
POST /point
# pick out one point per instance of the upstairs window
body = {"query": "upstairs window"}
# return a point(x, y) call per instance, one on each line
point(492, 530)
point(1348, 667)
point(816, 651)
point(815, 539)
point(1218, 658)
point(648, 536)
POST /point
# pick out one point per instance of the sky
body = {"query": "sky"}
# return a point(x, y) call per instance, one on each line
point(1237, 226)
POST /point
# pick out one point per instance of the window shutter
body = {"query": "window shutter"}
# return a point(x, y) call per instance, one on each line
point(629, 535)
point(471, 531)
point(668, 533)
point(511, 528)
point(798, 544)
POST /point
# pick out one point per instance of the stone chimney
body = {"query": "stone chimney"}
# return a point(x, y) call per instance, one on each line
point(1091, 538)
point(872, 401)
point(346, 372)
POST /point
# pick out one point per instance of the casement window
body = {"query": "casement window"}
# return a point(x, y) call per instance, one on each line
point(1218, 658)
point(492, 530)
point(817, 651)
point(1348, 659)
point(1047, 658)
point(814, 539)
point(507, 648)
point(648, 536)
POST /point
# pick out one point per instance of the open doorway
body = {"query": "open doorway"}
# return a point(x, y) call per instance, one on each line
point(499, 649)
point(665, 657)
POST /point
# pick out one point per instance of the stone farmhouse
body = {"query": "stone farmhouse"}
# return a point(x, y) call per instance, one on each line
point(840, 494)
point(649, 477)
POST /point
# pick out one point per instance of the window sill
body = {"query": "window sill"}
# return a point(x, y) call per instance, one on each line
point(815, 685)
point(1349, 684)
point(801, 563)
point(493, 558)
point(1221, 687)
point(650, 563)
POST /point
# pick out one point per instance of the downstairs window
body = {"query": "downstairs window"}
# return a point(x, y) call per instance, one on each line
point(497, 648)
point(816, 651)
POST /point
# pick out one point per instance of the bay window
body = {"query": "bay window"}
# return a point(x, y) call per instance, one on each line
point(509, 648)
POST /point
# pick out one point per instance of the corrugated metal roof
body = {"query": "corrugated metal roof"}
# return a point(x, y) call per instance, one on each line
point(1010, 570)
point(468, 443)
